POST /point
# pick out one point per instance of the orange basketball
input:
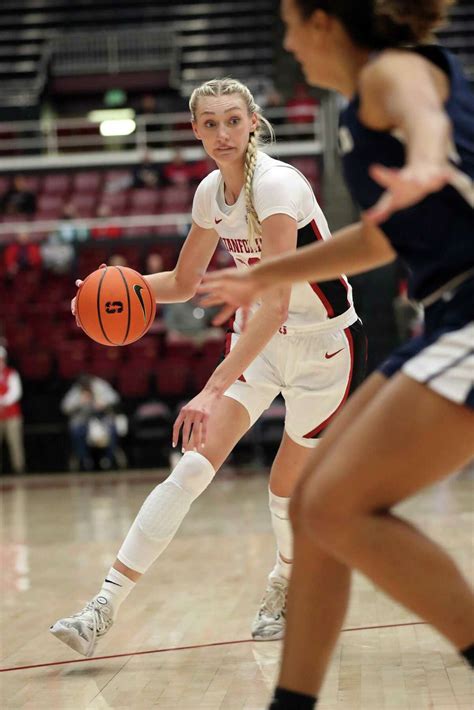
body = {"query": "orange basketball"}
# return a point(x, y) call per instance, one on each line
point(115, 305)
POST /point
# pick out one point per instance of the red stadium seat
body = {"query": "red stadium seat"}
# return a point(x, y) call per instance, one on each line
point(56, 183)
point(144, 199)
point(87, 181)
point(116, 202)
point(35, 365)
point(134, 383)
point(84, 203)
point(49, 203)
point(172, 377)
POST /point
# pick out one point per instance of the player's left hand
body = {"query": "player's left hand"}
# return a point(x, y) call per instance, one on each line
point(405, 187)
point(194, 418)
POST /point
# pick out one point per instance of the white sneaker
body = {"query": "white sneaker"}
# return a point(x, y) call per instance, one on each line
point(82, 630)
point(269, 624)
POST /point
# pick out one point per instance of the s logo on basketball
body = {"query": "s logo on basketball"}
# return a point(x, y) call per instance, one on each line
point(114, 307)
point(138, 292)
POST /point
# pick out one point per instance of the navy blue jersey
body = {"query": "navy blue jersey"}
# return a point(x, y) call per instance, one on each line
point(435, 238)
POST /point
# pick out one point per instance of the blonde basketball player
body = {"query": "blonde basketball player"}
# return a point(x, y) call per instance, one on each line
point(304, 342)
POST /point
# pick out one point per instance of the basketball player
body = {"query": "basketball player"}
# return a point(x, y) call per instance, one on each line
point(304, 342)
point(407, 137)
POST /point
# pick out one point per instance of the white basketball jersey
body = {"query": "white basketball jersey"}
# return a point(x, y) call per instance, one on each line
point(278, 188)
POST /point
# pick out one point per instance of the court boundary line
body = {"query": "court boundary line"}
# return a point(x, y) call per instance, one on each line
point(191, 647)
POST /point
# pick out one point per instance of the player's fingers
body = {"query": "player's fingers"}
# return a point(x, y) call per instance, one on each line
point(103, 266)
point(78, 283)
point(204, 422)
point(186, 432)
point(223, 316)
point(196, 434)
point(176, 428)
point(384, 176)
point(382, 209)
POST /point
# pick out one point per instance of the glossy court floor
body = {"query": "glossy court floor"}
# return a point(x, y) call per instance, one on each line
point(182, 640)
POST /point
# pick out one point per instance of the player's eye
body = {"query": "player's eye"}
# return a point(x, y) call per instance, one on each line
point(234, 120)
point(209, 124)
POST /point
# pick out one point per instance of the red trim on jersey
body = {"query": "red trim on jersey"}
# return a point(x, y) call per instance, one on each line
point(228, 343)
point(315, 287)
point(323, 425)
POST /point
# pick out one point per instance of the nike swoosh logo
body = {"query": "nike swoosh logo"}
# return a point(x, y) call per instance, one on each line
point(110, 582)
point(217, 221)
point(138, 292)
point(329, 356)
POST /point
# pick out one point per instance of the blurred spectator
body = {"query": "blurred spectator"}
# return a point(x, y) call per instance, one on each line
point(190, 320)
point(301, 107)
point(106, 230)
point(178, 171)
point(57, 256)
point(147, 173)
point(21, 255)
point(11, 420)
point(68, 230)
point(117, 260)
point(18, 199)
point(154, 263)
point(90, 404)
point(147, 105)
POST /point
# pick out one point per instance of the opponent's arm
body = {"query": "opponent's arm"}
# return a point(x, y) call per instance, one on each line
point(352, 250)
point(403, 91)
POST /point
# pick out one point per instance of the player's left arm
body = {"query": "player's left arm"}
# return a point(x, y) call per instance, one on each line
point(278, 237)
point(402, 91)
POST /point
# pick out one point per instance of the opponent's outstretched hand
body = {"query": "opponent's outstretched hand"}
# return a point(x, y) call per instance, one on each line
point(78, 284)
point(232, 287)
point(405, 187)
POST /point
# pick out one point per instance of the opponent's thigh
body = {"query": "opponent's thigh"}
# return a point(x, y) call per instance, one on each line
point(405, 438)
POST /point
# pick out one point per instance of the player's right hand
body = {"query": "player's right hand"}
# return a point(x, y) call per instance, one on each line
point(232, 287)
point(79, 283)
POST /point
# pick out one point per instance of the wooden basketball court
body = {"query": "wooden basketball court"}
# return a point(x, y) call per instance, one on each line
point(182, 639)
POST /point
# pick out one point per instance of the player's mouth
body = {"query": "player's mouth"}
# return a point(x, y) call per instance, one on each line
point(224, 150)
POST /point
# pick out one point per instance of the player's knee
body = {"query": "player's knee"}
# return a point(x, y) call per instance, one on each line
point(323, 520)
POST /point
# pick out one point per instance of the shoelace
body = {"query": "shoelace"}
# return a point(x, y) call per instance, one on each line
point(274, 601)
point(101, 621)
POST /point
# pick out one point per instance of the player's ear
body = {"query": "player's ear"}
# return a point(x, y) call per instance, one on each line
point(195, 130)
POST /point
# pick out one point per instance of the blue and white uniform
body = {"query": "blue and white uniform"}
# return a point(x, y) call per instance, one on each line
point(318, 356)
point(434, 238)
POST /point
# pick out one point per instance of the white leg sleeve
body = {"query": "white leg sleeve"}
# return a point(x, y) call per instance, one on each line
point(281, 524)
point(163, 511)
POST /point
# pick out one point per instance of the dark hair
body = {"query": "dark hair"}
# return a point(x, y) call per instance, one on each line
point(383, 23)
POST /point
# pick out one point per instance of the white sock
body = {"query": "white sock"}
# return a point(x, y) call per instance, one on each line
point(284, 536)
point(115, 588)
point(164, 510)
point(281, 569)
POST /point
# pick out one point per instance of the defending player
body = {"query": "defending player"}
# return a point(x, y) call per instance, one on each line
point(412, 423)
point(305, 342)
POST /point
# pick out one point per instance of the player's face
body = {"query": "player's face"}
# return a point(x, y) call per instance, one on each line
point(224, 125)
point(306, 39)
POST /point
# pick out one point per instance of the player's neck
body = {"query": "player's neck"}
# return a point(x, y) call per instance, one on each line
point(346, 74)
point(233, 176)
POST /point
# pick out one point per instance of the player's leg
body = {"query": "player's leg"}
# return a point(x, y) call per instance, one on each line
point(414, 437)
point(155, 526)
point(269, 622)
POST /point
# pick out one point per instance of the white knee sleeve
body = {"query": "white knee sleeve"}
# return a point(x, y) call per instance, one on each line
point(281, 524)
point(163, 511)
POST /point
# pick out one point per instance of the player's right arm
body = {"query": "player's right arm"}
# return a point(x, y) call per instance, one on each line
point(181, 283)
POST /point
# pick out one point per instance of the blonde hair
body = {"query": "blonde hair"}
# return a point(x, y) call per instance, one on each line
point(263, 133)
